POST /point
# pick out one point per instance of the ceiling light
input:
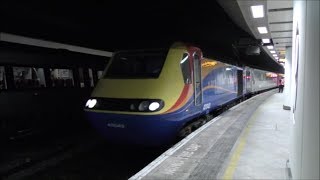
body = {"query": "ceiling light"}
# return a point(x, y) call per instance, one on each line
point(273, 52)
point(274, 55)
point(265, 41)
point(270, 47)
point(262, 30)
point(257, 11)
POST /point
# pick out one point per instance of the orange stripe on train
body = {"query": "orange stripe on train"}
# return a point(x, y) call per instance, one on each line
point(183, 99)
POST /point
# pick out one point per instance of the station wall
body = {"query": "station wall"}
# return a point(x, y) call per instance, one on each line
point(304, 155)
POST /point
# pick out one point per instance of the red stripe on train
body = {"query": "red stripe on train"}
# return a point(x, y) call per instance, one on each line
point(182, 97)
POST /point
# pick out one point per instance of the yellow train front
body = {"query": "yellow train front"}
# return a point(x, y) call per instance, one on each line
point(147, 96)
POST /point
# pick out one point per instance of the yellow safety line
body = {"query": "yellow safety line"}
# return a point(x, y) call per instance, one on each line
point(228, 174)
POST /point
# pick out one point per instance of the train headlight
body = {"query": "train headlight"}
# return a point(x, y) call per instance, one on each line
point(143, 106)
point(154, 106)
point(130, 105)
point(150, 105)
point(91, 103)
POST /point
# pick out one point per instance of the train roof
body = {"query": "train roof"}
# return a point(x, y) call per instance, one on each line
point(12, 53)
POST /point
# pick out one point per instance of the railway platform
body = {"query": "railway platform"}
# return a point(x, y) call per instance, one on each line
point(248, 141)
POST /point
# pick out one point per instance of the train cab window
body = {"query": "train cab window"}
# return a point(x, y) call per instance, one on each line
point(3, 83)
point(91, 77)
point(99, 74)
point(62, 78)
point(185, 67)
point(136, 64)
point(28, 77)
point(81, 78)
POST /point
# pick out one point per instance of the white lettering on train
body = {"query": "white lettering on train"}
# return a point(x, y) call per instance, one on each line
point(206, 106)
point(114, 125)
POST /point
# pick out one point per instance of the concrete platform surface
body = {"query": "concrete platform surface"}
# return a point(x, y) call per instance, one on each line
point(247, 141)
point(262, 151)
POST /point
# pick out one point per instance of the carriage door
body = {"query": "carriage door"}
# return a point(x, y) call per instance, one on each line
point(240, 82)
point(197, 79)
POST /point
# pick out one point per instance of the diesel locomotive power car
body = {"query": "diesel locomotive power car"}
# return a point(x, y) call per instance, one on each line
point(149, 96)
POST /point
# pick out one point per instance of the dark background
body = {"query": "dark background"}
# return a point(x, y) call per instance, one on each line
point(117, 25)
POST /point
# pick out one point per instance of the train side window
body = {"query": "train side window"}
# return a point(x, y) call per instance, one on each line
point(3, 83)
point(185, 67)
point(248, 75)
point(261, 76)
point(81, 78)
point(28, 77)
point(91, 77)
point(99, 74)
point(62, 77)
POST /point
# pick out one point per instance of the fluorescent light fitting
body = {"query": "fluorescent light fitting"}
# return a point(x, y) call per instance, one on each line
point(270, 47)
point(262, 30)
point(274, 55)
point(257, 11)
point(273, 52)
point(266, 41)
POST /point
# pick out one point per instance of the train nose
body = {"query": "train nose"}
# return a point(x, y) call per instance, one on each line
point(134, 129)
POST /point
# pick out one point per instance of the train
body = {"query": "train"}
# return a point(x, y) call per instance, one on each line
point(42, 90)
point(149, 96)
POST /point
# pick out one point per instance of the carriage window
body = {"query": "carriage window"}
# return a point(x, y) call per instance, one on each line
point(185, 67)
point(91, 77)
point(271, 76)
point(248, 75)
point(99, 74)
point(81, 78)
point(3, 84)
point(62, 77)
point(28, 77)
